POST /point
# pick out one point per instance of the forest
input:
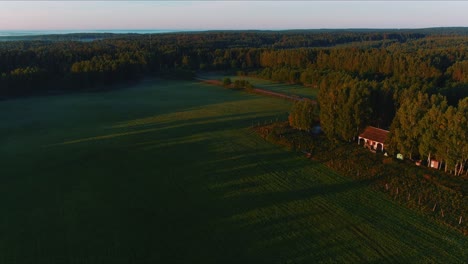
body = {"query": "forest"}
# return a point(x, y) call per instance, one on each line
point(414, 83)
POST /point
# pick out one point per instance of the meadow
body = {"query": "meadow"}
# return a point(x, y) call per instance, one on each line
point(170, 171)
point(284, 88)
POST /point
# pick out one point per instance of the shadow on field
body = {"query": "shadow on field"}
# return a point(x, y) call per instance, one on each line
point(172, 177)
point(199, 187)
point(279, 220)
point(171, 130)
point(217, 197)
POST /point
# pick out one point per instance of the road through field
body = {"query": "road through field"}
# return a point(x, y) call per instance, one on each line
point(170, 172)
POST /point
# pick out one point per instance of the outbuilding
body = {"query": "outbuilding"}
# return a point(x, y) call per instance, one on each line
point(434, 164)
point(373, 138)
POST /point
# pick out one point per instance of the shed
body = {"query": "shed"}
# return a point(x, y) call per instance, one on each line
point(434, 164)
point(373, 138)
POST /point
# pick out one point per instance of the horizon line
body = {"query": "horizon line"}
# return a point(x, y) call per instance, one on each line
point(229, 29)
point(214, 29)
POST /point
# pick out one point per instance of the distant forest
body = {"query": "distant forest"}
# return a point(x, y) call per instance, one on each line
point(389, 61)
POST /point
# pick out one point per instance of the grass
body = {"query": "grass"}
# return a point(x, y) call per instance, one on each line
point(169, 171)
point(288, 89)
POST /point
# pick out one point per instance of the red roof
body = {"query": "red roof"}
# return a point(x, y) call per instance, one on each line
point(375, 134)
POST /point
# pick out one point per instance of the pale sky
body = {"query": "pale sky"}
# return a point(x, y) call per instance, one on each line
point(204, 15)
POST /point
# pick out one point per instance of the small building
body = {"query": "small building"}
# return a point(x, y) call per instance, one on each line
point(373, 138)
point(434, 164)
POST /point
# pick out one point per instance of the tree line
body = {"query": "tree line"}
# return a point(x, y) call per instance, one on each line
point(33, 66)
point(427, 126)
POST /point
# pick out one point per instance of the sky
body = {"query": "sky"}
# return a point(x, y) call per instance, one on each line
point(206, 15)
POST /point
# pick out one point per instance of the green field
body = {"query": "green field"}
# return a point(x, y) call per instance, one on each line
point(284, 88)
point(169, 171)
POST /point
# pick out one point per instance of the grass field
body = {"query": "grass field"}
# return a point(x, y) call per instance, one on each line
point(170, 172)
point(289, 89)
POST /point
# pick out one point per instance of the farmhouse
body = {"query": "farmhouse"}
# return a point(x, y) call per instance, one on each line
point(373, 138)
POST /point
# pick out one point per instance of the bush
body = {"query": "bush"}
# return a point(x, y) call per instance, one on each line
point(227, 82)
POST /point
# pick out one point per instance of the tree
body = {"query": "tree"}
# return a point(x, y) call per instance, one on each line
point(447, 145)
point(404, 135)
point(462, 133)
point(459, 137)
point(356, 109)
point(344, 106)
point(304, 115)
point(429, 127)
